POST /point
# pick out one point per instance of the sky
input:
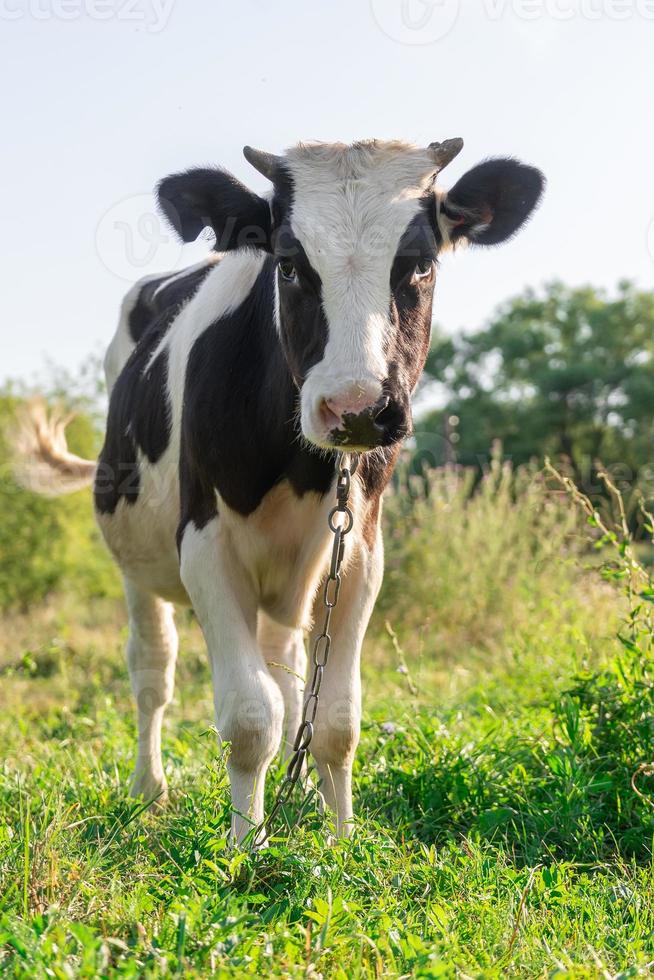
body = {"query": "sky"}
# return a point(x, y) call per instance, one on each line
point(99, 99)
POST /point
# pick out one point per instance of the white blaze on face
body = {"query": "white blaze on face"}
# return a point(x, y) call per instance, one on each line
point(351, 206)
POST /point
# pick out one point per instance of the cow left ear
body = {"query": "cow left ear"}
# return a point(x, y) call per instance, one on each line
point(213, 198)
point(491, 202)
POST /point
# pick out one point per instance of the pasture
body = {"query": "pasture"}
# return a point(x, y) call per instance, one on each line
point(508, 703)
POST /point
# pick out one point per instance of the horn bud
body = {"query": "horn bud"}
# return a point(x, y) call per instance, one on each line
point(445, 152)
point(266, 163)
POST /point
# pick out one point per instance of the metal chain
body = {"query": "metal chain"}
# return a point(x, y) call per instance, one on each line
point(321, 646)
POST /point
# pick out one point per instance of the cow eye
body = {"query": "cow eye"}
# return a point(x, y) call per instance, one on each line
point(423, 270)
point(287, 271)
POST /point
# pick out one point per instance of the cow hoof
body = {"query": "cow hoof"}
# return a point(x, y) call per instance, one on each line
point(150, 789)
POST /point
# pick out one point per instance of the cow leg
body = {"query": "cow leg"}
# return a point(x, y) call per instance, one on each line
point(338, 719)
point(151, 656)
point(285, 655)
point(248, 703)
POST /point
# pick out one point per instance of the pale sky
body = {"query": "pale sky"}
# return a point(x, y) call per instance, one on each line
point(101, 98)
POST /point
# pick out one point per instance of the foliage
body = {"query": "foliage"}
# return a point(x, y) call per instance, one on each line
point(474, 559)
point(499, 833)
point(565, 371)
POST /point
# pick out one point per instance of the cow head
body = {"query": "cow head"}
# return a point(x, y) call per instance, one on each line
point(356, 232)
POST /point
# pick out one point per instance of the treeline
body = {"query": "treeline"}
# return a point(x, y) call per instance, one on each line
point(566, 373)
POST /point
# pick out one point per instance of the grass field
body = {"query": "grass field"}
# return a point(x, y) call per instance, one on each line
point(507, 709)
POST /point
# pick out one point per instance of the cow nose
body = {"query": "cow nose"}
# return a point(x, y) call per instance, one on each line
point(354, 399)
point(352, 419)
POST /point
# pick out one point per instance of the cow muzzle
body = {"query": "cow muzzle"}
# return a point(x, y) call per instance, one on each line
point(359, 417)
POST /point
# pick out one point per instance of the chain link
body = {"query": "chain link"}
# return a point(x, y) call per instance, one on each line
point(321, 647)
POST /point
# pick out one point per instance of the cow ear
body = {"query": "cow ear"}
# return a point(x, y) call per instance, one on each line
point(207, 197)
point(491, 202)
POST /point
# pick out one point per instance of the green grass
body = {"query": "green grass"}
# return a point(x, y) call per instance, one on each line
point(498, 832)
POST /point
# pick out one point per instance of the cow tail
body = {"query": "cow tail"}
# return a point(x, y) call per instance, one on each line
point(42, 461)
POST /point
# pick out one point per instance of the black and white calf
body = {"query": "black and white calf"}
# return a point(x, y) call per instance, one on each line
point(232, 387)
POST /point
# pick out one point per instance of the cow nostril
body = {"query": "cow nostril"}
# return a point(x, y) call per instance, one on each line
point(390, 417)
point(328, 417)
point(381, 406)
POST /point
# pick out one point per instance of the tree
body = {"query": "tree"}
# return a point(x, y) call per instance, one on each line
point(565, 372)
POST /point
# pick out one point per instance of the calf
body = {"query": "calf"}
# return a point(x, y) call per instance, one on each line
point(233, 387)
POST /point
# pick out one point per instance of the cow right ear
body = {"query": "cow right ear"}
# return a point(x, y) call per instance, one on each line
point(211, 198)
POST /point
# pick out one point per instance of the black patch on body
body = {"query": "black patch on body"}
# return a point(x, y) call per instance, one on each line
point(163, 295)
point(240, 435)
point(138, 418)
point(138, 409)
